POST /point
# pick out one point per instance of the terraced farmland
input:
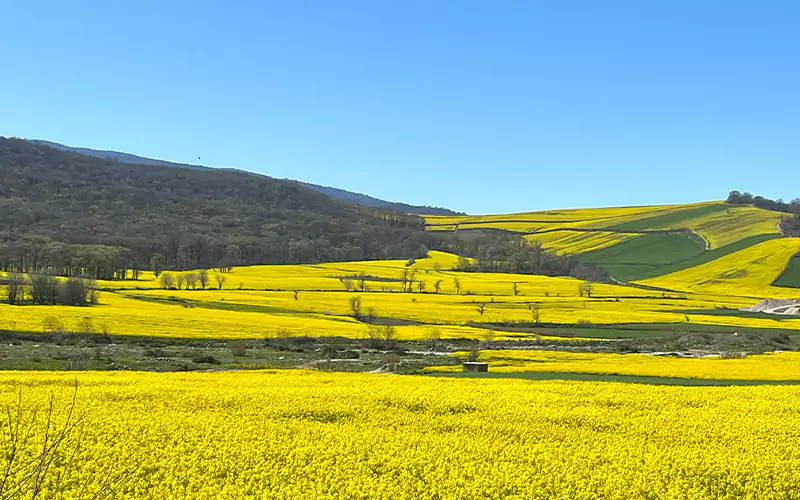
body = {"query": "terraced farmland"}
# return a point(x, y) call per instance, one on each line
point(635, 243)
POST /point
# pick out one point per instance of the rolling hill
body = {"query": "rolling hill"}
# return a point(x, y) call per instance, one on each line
point(644, 243)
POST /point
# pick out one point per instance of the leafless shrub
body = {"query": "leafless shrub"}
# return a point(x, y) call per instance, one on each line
point(39, 454)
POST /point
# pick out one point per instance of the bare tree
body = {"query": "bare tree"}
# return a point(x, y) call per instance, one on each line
point(220, 280)
point(180, 279)
point(296, 293)
point(534, 309)
point(44, 289)
point(515, 288)
point(371, 315)
point(481, 307)
point(348, 285)
point(43, 461)
point(15, 289)
point(585, 288)
point(167, 281)
point(190, 280)
point(355, 306)
point(421, 286)
point(202, 278)
point(437, 268)
point(389, 335)
point(156, 264)
point(437, 286)
point(433, 333)
point(457, 284)
point(362, 283)
point(404, 278)
point(412, 275)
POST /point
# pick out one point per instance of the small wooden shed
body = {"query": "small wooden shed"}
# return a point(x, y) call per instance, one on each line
point(475, 366)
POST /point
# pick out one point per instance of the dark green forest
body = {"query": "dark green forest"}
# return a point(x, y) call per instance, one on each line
point(73, 212)
point(74, 215)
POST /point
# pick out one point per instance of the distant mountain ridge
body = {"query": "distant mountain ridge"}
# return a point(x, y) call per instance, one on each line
point(332, 192)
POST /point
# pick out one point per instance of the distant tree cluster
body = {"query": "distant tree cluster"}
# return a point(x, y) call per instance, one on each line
point(789, 225)
point(190, 281)
point(517, 255)
point(737, 198)
point(35, 254)
point(45, 289)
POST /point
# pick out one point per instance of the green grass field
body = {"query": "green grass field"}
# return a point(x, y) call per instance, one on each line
point(791, 276)
point(648, 256)
point(644, 256)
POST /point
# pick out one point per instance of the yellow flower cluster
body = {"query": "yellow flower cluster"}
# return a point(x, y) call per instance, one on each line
point(309, 435)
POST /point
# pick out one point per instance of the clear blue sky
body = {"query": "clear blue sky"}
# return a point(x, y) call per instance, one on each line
point(489, 106)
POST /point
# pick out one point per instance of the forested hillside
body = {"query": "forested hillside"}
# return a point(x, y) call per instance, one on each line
point(332, 192)
point(70, 211)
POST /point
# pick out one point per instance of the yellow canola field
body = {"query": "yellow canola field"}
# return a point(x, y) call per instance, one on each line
point(233, 313)
point(309, 435)
point(748, 272)
point(583, 217)
point(718, 228)
point(302, 276)
point(120, 315)
point(781, 366)
point(575, 242)
point(322, 307)
point(734, 224)
point(458, 310)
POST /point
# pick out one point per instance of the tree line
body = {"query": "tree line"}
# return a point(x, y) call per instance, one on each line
point(518, 256)
point(737, 198)
point(790, 225)
point(46, 289)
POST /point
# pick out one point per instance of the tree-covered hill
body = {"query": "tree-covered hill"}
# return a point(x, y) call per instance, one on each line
point(332, 192)
point(60, 207)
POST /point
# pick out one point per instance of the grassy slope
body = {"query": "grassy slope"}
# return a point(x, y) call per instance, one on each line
point(790, 277)
point(650, 256)
point(645, 255)
point(747, 271)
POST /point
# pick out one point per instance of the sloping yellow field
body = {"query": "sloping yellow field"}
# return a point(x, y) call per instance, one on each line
point(298, 435)
point(782, 366)
point(575, 242)
point(733, 224)
point(562, 217)
point(748, 272)
point(717, 223)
